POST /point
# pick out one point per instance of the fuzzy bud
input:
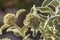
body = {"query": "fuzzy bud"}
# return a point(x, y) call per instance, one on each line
point(9, 19)
point(31, 21)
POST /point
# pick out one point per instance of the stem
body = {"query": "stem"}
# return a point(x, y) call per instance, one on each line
point(16, 26)
point(26, 37)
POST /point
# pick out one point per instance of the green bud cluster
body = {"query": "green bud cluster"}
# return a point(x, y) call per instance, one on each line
point(9, 19)
point(31, 20)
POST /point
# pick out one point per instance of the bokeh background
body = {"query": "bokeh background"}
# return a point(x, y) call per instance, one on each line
point(12, 6)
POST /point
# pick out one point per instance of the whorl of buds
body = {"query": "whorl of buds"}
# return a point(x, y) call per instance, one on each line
point(31, 20)
point(9, 19)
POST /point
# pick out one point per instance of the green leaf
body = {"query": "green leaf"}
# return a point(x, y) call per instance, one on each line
point(18, 32)
point(26, 37)
point(55, 3)
point(14, 30)
point(47, 10)
point(19, 12)
point(24, 30)
point(4, 27)
point(33, 11)
point(42, 17)
point(46, 2)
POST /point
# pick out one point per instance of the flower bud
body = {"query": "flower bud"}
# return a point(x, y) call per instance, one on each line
point(9, 19)
point(31, 20)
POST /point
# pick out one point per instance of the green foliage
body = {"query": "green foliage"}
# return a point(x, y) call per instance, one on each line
point(46, 2)
point(48, 25)
point(53, 3)
point(45, 10)
point(20, 12)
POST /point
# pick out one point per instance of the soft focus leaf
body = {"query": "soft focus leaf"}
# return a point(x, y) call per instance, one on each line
point(5, 39)
point(26, 37)
point(43, 17)
point(18, 32)
point(33, 10)
point(45, 10)
point(4, 27)
point(19, 12)
point(14, 30)
point(55, 3)
point(24, 30)
point(46, 2)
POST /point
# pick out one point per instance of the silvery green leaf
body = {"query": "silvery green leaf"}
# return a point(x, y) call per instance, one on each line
point(24, 30)
point(46, 2)
point(18, 32)
point(47, 10)
point(33, 10)
point(4, 27)
point(14, 30)
point(19, 12)
point(42, 17)
point(26, 37)
point(55, 3)
point(5, 39)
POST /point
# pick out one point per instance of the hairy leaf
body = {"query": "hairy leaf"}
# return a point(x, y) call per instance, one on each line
point(45, 10)
point(14, 30)
point(24, 30)
point(46, 3)
point(55, 3)
point(19, 12)
point(4, 27)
